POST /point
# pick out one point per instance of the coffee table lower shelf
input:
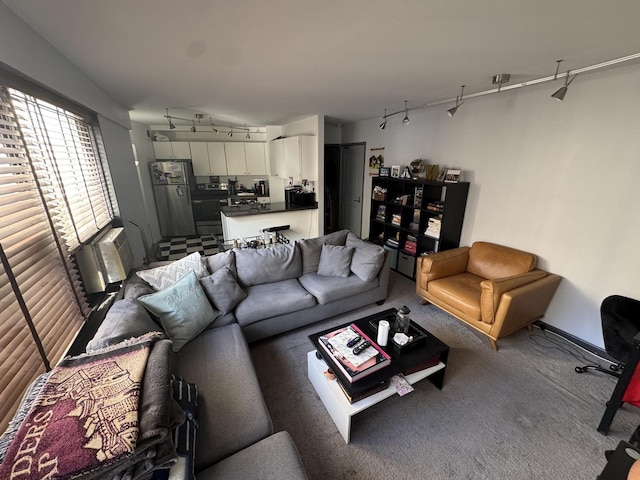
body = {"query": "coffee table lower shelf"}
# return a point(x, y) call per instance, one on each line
point(337, 404)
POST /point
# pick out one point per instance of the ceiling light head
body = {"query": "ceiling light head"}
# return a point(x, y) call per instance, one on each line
point(248, 136)
point(171, 125)
point(500, 79)
point(562, 91)
point(405, 120)
point(383, 125)
point(193, 127)
point(452, 111)
point(230, 133)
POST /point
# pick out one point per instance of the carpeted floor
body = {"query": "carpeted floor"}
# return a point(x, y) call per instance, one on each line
point(519, 413)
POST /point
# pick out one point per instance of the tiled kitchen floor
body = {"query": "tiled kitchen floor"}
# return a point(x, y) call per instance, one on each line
point(177, 247)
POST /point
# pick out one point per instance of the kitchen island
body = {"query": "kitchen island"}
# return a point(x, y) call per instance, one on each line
point(249, 220)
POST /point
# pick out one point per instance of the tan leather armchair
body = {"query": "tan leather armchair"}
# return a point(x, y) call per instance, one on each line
point(495, 289)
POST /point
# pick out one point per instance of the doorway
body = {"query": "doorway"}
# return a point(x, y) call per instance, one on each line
point(352, 157)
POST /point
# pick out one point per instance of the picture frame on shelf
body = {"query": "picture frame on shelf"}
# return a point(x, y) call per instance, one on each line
point(453, 175)
point(384, 172)
point(441, 175)
point(395, 171)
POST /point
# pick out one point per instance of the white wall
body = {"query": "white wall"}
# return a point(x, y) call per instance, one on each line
point(22, 49)
point(559, 179)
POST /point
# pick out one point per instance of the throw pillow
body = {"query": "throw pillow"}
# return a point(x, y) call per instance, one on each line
point(183, 309)
point(256, 266)
point(222, 289)
point(312, 247)
point(184, 436)
point(335, 261)
point(165, 276)
point(126, 318)
point(367, 258)
point(221, 260)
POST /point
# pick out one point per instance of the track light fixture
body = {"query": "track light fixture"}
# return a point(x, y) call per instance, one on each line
point(562, 91)
point(405, 120)
point(193, 127)
point(452, 111)
point(383, 125)
point(230, 133)
point(500, 79)
point(168, 117)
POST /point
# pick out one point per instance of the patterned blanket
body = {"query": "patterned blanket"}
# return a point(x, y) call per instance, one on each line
point(85, 418)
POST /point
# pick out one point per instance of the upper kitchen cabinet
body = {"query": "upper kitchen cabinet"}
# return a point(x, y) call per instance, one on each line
point(208, 158)
point(171, 150)
point(256, 161)
point(300, 158)
point(245, 158)
point(276, 157)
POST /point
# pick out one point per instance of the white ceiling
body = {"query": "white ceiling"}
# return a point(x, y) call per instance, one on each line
point(272, 62)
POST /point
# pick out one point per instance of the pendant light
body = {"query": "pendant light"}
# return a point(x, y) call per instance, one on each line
point(171, 125)
point(383, 125)
point(562, 91)
point(193, 127)
point(405, 120)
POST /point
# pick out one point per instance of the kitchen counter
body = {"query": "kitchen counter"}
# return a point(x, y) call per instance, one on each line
point(277, 207)
point(240, 221)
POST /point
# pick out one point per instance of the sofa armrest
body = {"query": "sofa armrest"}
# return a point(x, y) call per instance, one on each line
point(441, 264)
point(492, 291)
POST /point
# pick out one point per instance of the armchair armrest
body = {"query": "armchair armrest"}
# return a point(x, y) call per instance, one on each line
point(441, 264)
point(492, 291)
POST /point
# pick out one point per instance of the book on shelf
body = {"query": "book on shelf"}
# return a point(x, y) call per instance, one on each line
point(392, 243)
point(416, 215)
point(436, 206)
point(417, 197)
point(431, 362)
point(411, 245)
point(382, 213)
point(362, 395)
point(396, 219)
point(354, 367)
point(433, 227)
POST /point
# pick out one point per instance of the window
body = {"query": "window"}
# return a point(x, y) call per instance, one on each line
point(54, 194)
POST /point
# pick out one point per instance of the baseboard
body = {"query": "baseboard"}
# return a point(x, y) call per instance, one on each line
point(576, 341)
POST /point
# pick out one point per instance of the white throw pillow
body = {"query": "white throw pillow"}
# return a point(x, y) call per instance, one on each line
point(165, 276)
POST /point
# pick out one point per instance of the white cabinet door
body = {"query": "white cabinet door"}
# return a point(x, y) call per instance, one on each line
point(162, 150)
point(276, 157)
point(255, 158)
point(181, 150)
point(308, 158)
point(291, 164)
point(236, 159)
point(200, 159)
point(171, 150)
point(217, 158)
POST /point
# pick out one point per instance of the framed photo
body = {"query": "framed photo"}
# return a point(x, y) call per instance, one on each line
point(395, 171)
point(453, 175)
point(384, 171)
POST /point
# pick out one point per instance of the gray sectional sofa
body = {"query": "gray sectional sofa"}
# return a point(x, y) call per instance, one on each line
point(252, 294)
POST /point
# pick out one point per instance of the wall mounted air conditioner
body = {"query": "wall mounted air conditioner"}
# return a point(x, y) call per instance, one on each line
point(107, 259)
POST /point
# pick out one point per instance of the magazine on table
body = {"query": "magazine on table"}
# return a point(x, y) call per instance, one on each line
point(339, 344)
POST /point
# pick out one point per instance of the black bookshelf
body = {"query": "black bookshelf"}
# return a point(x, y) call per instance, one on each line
point(427, 212)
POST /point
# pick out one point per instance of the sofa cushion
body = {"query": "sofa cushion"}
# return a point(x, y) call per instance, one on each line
point(272, 299)
point(328, 289)
point(135, 287)
point(491, 261)
point(275, 457)
point(367, 258)
point(183, 309)
point(126, 318)
point(223, 290)
point(221, 260)
point(335, 261)
point(312, 247)
point(462, 291)
point(231, 410)
point(256, 266)
point(165, 276)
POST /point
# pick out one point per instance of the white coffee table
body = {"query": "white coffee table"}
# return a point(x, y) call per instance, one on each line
point(335, 401)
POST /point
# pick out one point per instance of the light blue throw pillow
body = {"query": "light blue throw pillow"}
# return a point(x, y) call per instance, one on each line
point(183, 309)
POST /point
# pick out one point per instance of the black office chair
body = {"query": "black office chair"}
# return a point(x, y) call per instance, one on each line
point(621, 332)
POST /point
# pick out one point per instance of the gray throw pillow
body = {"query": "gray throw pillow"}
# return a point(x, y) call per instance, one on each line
point(125, 319)
point(183, 309)
point(335, 261)
point(256, 266)
point(222, 290)
point(310, 250)
point(367, 258)
point(221, 260)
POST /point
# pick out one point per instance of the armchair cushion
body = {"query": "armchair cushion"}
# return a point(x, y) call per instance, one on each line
point(443, 264)
point(488, 260)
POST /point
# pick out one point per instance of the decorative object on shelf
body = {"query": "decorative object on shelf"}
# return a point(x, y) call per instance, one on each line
point(376, 160)
point(379, 193)
point(384, 172)
point(432, 172)
point(406, 173)
point(441, 175)
point(417, 168)
point(395, 171)
point(453, 175)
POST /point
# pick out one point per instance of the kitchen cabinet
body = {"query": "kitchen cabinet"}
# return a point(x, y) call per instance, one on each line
point(208, 158)
point(245, 158)
point(276, 157)
point(300, 158)
point(171, 150)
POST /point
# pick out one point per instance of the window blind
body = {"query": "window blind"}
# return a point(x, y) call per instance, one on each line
point(54, 194)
